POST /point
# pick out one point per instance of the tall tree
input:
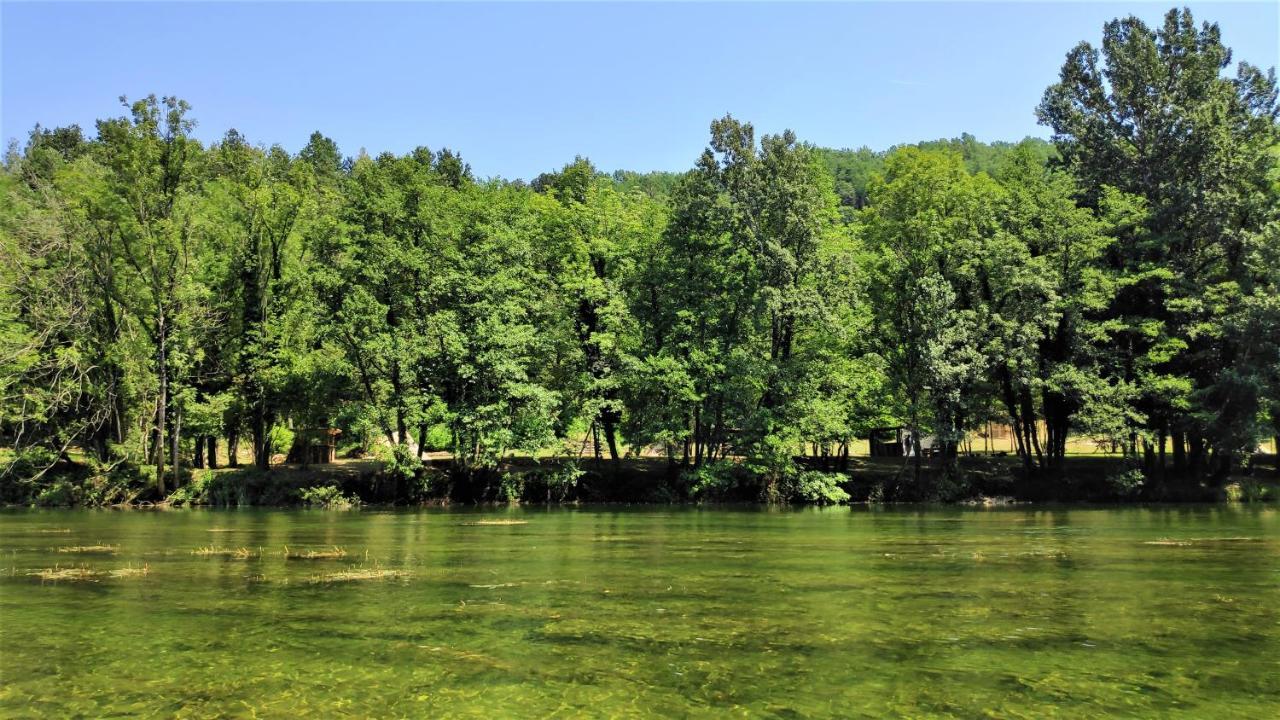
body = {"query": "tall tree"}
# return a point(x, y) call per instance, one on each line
point(1153, 114)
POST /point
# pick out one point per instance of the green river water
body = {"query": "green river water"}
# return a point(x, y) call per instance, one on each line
point(643, 612)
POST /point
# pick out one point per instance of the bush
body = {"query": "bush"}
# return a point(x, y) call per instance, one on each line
point(556, 483)
point(193, 493)
point(1249, 490)
point(61, 493)
point(722, 481)
point(818, 488)
point(328, 497)
point(281, 439)
point(1128, 482)
point(438, 437)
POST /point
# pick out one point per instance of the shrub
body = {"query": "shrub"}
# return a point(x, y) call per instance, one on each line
point(328, 497)
point(60, 493)
point(1126, 482)
point(556, 483)
point(722, 481)
point(281, 439)
point(1249, 490)
point(818, 488)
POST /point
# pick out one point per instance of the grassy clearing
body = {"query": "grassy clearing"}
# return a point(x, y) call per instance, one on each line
point(334, 553)
point(90, 549)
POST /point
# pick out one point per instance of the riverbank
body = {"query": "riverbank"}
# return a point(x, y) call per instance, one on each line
point(983, 479)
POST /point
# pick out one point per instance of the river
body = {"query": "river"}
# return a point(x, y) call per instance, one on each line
point(1023, 612)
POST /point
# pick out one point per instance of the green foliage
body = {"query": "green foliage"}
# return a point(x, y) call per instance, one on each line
point(721, 481)
point(281, 438)
point(1126, 482)
point(160, 297)
point(328, 497)
point(818, 488)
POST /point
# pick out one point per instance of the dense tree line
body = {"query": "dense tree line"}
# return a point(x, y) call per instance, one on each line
point(161, 299)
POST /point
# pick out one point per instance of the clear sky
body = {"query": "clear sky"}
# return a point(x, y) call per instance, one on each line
point(522, 88)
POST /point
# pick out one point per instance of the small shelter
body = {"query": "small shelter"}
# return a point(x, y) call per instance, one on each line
point(316, 447)
point(886, 442)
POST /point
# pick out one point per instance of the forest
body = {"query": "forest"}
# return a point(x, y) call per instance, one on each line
point(169, 308)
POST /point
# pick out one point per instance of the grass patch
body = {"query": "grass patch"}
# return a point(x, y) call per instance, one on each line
point(58, 573)
point(358, 574)
point(333, 553)
point(90, 549)
point(72, 574)
point(237, 553)
point(130, 572)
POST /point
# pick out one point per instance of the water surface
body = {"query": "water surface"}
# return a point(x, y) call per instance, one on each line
point(1012, 613)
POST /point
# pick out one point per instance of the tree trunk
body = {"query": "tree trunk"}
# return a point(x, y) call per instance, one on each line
point(213, 451)
point(163, 401)
point(261, 437)
point(233, 448)
point(197, 458)
point(609, 418)
point(1160, 453)
point(1195, 454)
point(176, 435)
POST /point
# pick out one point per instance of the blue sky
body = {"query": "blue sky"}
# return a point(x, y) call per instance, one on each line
point(522, 88)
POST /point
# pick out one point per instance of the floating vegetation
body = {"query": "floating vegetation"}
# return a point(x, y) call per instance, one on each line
point(357, 574)
point(130, 572)
point(74, 574)
point(88, 574)
point(1198, 541)
point(236, 553)
point(60, 531)
point(496, 586)
point(90, 549)
point(333, 553)
point(497, 522)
